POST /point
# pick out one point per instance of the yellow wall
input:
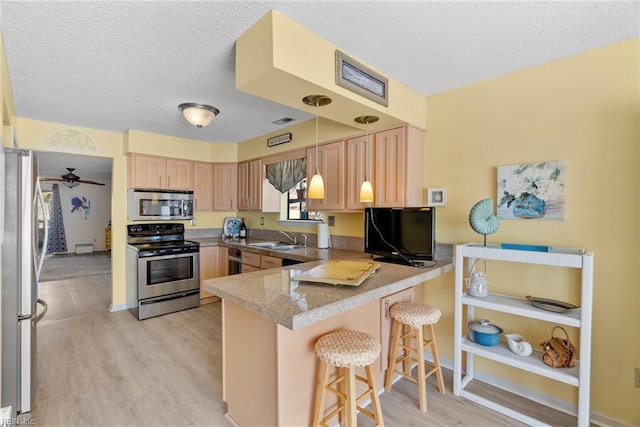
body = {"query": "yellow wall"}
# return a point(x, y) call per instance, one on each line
point(583, 110)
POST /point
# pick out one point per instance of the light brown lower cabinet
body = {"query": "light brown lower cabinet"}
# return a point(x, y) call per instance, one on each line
point(213, 263)
point(252, 261)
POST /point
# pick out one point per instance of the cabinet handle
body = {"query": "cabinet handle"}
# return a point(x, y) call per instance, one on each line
point(386, 308)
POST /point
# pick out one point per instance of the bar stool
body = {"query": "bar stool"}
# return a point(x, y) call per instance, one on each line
point(409, 320)
point(347, 350)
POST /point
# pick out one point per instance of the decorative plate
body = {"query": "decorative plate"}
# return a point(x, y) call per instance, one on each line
point(551, 304)
point(231, 226)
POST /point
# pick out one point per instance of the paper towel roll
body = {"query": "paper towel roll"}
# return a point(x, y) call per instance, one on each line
point(323, 236)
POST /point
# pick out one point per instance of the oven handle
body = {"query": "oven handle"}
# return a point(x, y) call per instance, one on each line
point(170, 297)
point(157, 257)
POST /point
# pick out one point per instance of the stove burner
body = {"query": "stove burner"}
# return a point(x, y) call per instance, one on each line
point(159, 239)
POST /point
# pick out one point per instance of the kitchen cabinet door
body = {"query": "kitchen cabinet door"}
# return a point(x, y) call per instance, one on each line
point(250, 182)
point(399, 167)
point(267, 262)
point(256, 180)
point(225, 181)
point(179, 174)
point(359, 166)
point(146, 171)
point(331, 165)
point(203, 186)
point(209, 268)
point(243, 186)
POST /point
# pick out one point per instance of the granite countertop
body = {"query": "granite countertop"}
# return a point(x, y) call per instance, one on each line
point(302, 253)
point(274, 295)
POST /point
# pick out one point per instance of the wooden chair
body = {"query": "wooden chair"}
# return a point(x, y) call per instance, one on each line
point(346, 350)
point(408, 336)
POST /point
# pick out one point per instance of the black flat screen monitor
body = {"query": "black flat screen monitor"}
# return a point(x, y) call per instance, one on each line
point(400, 235)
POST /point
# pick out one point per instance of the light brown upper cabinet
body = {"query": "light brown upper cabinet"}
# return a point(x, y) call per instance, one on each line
point(331, 164)
point(250, 182)
point(359, 165)
point(203, 186)
point(163, 173)
point(225, 186)
point(399, 167)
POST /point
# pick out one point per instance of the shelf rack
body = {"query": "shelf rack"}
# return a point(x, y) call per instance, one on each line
point(579, 376)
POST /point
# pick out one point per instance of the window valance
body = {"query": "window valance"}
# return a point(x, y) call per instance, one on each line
point(285, 175)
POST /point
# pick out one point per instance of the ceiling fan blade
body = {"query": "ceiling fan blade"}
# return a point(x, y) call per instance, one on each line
point(86, 181)
point(45, 179)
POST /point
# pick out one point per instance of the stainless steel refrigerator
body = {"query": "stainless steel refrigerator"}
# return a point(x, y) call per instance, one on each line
point(23, 247)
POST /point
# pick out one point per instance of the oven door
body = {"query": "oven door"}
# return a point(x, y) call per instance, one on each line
point(167, 274)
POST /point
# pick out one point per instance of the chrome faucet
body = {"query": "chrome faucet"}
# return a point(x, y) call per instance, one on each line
point(291, 237)
point(304, 236)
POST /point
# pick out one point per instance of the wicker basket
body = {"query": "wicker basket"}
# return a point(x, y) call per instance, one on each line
point(559, 352)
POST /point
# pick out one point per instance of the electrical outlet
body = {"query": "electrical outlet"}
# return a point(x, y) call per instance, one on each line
point(193, 221)
point(636, 376)
point(261, 220)
point(331, 220)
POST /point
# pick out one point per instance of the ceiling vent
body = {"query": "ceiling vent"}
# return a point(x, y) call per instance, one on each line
point(283, 121)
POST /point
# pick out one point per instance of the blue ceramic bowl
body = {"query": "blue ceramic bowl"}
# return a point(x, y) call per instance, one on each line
point(484, 333)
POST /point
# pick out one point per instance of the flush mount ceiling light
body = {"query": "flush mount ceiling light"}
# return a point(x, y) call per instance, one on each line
point(198, 115)
point(316, 185)
point(366, 190)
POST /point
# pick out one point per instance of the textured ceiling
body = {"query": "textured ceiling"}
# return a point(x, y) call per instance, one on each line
point(127, 65)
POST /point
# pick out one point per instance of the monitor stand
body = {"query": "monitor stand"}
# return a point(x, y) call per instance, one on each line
point(412, 263)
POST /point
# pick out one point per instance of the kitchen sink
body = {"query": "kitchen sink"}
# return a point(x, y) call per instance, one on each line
point(276, 246)
point(285, 247)
point(268, 245)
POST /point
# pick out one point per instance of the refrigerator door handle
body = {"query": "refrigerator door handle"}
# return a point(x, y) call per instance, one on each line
point(44, 304)
point(22, 317)
point(40, 261)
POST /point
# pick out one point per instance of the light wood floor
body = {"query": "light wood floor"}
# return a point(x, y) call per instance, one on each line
point(97, 368)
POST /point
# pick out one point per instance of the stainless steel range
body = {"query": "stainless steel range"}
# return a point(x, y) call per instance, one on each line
point(162, 270)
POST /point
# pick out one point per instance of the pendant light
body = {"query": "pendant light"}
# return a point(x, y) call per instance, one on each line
point(315, 189)
point(366, 190)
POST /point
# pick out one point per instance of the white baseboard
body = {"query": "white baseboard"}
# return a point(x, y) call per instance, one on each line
point(536, 396)
point(119, 307)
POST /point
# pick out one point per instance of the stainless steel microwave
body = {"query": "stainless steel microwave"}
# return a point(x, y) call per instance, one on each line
point(153, 205)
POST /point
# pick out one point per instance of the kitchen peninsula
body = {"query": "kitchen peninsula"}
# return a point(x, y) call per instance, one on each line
point(271, 322)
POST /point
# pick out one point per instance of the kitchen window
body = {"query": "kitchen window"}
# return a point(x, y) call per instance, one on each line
point(296, 204)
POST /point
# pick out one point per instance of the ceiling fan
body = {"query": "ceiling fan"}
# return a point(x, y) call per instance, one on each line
point(71, 180)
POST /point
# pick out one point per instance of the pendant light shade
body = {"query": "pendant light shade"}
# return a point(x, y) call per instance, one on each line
point(366, 192)
point(315, 190)
point(198, 115)
point(316, 187)
point(366, 189)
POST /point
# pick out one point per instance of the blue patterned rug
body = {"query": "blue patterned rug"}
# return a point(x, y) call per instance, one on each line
point(60, 267)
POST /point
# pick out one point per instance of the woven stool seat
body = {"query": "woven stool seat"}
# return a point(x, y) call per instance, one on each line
point(347, 348)
point(408, 339)
point(414, 314)
point(345, 351)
